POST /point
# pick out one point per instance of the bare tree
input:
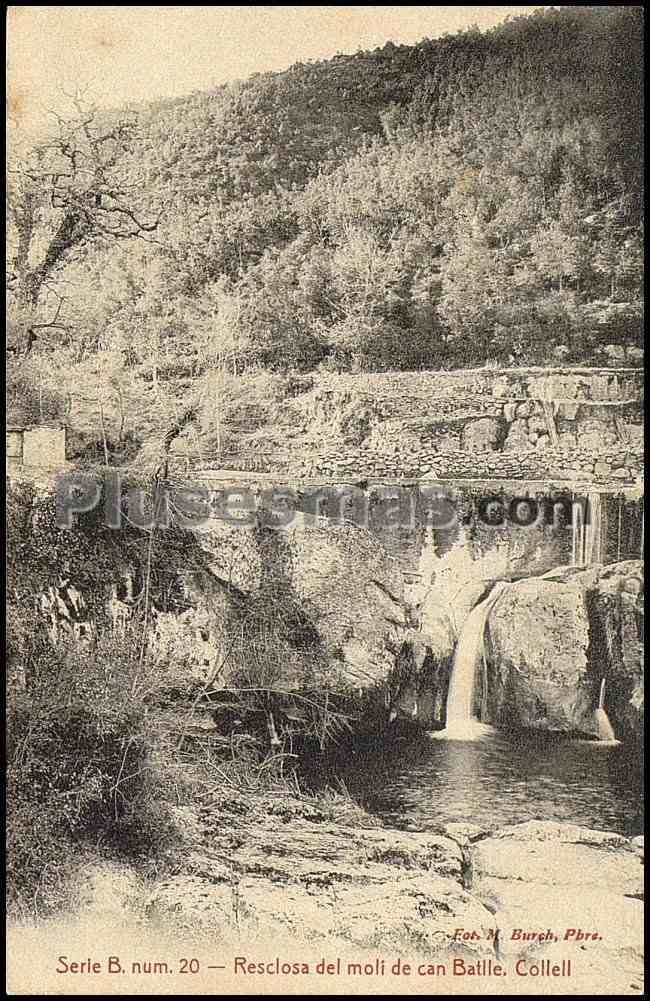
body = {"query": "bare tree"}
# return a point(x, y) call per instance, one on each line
point(76, 184)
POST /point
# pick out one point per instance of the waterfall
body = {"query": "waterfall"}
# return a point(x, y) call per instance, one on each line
point(605, 729)
point(594, 531)
point(469, 655)
point(587, 543)
point(578, 529)
point(484, 687)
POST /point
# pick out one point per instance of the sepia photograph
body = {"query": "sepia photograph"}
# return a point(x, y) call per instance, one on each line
point(324, 500)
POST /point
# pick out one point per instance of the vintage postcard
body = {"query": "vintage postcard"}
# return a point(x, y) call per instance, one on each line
point(324, 500)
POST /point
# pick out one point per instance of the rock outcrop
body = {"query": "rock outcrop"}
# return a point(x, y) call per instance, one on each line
point(554, 638)
point(574, 892)
point(290, 870)
point(281, 879)
point(355, 592)
point(584, 887)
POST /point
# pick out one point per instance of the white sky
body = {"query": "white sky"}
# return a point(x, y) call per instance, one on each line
point(140, 53)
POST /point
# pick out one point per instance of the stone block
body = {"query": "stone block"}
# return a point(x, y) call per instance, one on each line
point(517, 439)
point(525, 410)
point(481, 435)
point(44, 446)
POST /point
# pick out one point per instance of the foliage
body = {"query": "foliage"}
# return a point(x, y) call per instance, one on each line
point(102, 736)
point(79, 771)
point(469, 199)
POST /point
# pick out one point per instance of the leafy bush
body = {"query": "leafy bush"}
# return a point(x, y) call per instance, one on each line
point(80, 775)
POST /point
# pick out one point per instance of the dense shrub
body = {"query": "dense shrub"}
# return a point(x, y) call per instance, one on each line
point(80, 774)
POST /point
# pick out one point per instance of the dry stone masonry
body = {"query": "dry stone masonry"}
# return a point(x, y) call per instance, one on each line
point(516, 424)
point(528, 424)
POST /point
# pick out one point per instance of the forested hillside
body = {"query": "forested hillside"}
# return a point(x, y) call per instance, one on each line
point(473, 199)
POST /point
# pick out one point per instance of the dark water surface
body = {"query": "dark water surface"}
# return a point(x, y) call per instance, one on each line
point(425, 783)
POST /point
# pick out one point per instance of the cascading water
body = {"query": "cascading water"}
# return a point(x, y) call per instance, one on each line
point(469, 655)
point(578, 540)
point(594, 531)
point(605, 729)
point(587, 544)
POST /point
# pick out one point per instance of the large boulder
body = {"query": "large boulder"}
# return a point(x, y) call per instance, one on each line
point(482, 435)
point(346, 590)
point(539, 636)
point(551, 641)
point(354, 593)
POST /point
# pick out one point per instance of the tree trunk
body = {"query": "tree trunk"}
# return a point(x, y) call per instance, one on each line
point(103, 427)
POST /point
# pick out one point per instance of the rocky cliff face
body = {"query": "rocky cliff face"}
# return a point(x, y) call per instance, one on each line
point(329, 598)
point(349, 591)
point(318, 591)
point(553, 639)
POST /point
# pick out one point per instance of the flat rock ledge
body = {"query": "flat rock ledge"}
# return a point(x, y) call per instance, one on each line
point(582, 889)
point(534, 891)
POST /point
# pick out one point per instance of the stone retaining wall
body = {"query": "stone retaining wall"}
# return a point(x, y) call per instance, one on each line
point(563, 424)
point(623, 467)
